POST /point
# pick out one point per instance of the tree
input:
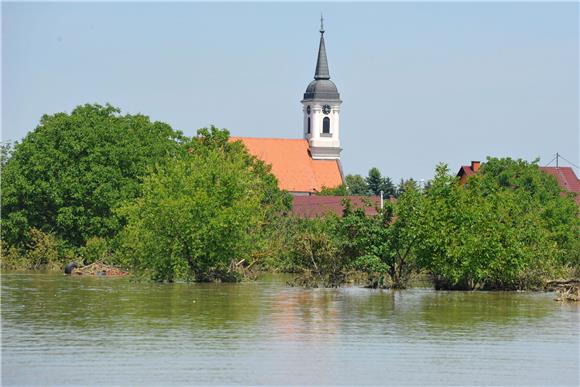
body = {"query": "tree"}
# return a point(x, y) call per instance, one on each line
point(201, 213)
point(357, 185)
point(389, 189)
point(494, 233)
point(404, 184)
point(376, 183)
point(316, 253)
point(68, 174)
point(404, 235)
point(537, 191)
point(384, 245)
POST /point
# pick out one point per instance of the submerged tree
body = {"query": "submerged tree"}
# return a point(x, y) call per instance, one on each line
point(384, 245)
point(539, 192)
point(202, 213)
point(498, 232)
point(316, 253)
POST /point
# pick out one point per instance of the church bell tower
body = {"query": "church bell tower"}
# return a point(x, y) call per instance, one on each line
point(321, 107)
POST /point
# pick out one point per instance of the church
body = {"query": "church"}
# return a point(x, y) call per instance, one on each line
point(307, 165)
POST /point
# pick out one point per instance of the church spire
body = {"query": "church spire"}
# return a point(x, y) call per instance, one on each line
point(321, 64)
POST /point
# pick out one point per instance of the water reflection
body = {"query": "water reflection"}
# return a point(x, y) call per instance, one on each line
point(266, 333)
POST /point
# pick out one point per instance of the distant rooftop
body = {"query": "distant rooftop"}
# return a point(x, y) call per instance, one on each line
point(566, 179)
point(318, 206)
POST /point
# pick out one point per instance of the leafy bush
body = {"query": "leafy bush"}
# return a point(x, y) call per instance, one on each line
point(316, 252)
point(202, 213)
point(497, 232)
point(44, 251)
point(96, 249)
point(383, 245)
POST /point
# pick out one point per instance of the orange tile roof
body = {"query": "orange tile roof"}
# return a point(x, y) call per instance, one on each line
point(292, 164)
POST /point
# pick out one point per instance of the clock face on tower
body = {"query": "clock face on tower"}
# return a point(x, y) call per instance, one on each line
point(326, 109)
point(308, 109)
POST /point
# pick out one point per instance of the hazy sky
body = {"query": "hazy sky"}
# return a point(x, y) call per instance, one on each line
point(421, 83)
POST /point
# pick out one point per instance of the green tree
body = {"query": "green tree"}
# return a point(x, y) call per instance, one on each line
point(377, 183)
point(66, 176)
point(537, 191)
point(384, 245)
point(404, 184)
point(357, 185)
point(494, 233)
point(316, 253)
point(201, 213)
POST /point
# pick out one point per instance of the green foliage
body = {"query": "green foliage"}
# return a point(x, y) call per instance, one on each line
point(537, 191)
point(201, 213)
point(377, 183)
point(12, 258)
point(275, 254)
point(384, 244)
point(497, 232)
point(68, 175)
point(316, 252)
point(43, 251)
point(325, 250)
point(405, 184)
point(340, 190)
point(357, 185)
point(95, 250)
point(373, 184)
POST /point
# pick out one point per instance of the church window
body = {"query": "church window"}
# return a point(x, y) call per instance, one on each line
point(326, 125)
point(308, 124)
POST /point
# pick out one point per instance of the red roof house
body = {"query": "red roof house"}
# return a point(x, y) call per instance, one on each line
point(318, 206)
point(467, 170)
point(566, 179)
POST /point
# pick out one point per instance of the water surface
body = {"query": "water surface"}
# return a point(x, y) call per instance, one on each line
point(59, 330)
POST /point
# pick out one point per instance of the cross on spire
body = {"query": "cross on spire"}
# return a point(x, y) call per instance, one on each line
point(321, 64)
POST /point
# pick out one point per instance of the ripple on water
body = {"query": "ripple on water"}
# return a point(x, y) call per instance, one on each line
point(85, 331)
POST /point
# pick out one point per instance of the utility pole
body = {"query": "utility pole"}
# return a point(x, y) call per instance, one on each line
point(557, 157)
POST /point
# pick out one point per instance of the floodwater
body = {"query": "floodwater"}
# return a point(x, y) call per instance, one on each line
point(59, 330)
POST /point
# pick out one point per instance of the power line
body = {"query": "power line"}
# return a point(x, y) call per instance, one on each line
point(569, 162)
point(559, 156)
point(547, 165)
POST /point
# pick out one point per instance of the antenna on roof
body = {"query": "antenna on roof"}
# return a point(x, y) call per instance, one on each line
point(321, 23)
point(557, 159)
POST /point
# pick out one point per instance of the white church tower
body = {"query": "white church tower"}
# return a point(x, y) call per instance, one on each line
point(321, 106)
